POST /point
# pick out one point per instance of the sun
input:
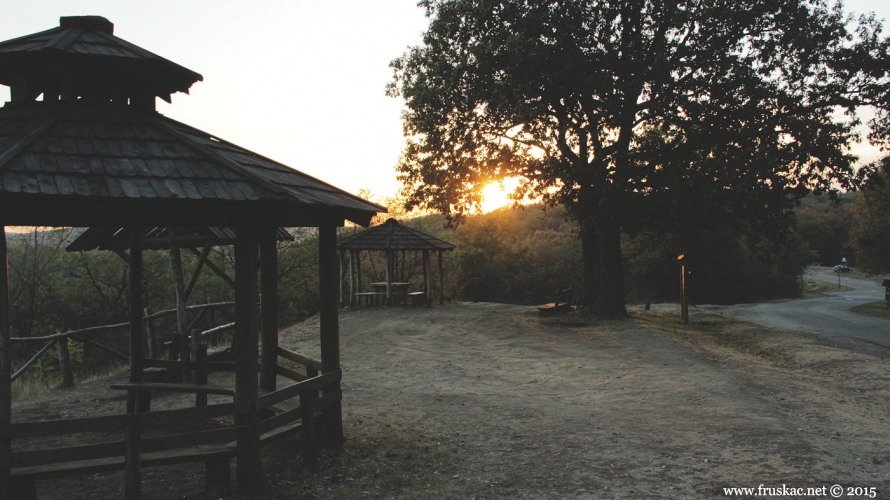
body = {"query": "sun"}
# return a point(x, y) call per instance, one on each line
point(497, 194)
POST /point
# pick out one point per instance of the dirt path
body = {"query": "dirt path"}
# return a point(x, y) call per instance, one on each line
point(489, 401)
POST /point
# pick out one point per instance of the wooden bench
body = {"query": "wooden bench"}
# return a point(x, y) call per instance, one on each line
point(216, 458)
point(125, 448)
point(367, 298)
point(562, 302)
point(416, 298)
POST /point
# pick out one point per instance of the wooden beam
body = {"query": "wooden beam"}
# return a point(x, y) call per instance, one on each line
point(181, 314)
point(205, 252)
point(249, 459)
point(136, 310)
point(5, 371)
point(269, 280)
point(156, 282)
point(219, 272)
point(329, 325)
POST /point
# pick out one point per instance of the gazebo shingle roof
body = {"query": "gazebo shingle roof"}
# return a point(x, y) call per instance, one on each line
point(94, 152)
point(391, 235)
point(68, 152)
point(87, 45)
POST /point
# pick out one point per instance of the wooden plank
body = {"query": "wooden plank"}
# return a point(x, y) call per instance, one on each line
point(300, 358)
point(292, 391)
point(67, 426)
point(34, 458)
point(331, 399)
point(198, 454)
point(291, 374)
point(83, 467)
point(192, 439)
point(173, 417)
point(180, 388)
point(282, 432)
point(282, 419)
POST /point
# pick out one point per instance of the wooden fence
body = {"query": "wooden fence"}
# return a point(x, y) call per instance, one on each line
point(130, 442)
point(60, 339)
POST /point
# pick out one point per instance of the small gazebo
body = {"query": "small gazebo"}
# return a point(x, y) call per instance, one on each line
point(81, 144)
point(391, 238)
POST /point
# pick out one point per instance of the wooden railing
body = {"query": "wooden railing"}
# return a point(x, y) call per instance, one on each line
point(137, 440)
point(60, 339)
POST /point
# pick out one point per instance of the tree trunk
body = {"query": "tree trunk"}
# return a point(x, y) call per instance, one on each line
point(590, 265)
point(609, 302)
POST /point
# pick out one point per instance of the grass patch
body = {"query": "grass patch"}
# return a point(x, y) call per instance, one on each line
point(820, 287)
point(378, 460)
point(717, 331)
point(876, 309)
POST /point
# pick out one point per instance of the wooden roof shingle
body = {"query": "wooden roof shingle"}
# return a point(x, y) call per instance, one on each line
point(86, 45)
point(392, 235)
point(79, 151)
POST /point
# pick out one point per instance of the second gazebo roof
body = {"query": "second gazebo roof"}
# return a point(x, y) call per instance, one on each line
point(391, 235)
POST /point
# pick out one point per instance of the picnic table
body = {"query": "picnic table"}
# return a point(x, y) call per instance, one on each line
point(398, 290)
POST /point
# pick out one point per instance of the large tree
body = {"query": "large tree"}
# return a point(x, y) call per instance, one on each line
point(872, 232)
point(626, 111)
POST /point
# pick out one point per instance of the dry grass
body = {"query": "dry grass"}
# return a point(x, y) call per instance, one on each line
point(876, 309)
point(709, 331)
point(380, 459)
point(30, 386)
point(817, 288)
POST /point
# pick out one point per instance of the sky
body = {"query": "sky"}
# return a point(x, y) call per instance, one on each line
point(299, 81)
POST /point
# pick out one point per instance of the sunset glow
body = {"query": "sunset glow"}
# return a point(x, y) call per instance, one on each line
point(497, 194)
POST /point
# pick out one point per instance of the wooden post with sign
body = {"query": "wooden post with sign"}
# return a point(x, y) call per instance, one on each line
point(684, 306)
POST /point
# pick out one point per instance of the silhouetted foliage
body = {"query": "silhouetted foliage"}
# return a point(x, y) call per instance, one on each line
point(872, 234)
point(715, 113)
point(825, 224)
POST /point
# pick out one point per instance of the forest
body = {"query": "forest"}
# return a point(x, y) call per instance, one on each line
point(517, 255)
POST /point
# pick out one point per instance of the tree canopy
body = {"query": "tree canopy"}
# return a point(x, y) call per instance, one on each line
point(640, 114)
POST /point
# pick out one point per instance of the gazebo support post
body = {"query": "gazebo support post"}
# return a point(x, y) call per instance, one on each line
point(269, 280)
point(441, 281)
point(181, 313)
point(329, 327)
point(352, 278)
point(389, 271)
point(248, 453)
point(135, 400)
point(358, 271)
point(5, 371)
point(427, 289)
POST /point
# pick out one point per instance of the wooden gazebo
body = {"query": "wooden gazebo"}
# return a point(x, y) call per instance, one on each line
point(391, 238)
point(81, 144)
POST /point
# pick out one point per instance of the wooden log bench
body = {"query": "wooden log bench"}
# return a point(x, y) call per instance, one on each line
point(416, 298)
point(367, 298)
point(562, 302)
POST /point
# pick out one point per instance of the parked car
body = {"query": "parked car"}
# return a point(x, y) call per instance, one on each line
point(843, 269)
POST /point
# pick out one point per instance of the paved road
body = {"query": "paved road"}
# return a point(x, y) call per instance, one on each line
point(830, 314)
